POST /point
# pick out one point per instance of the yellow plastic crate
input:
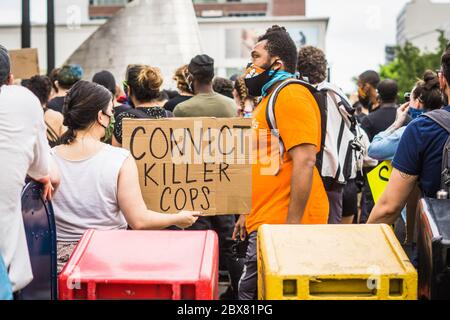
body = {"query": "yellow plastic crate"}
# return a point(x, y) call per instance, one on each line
point(333, 262)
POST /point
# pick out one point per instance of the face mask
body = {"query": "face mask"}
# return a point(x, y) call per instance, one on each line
point(108, 129)
point(256, 78)
point(364, 98)
point(109, 123)
point(415, 113)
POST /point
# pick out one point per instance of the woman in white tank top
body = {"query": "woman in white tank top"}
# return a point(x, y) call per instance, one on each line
point(99, 186)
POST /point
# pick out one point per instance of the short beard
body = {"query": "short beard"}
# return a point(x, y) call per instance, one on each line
point(266, 65)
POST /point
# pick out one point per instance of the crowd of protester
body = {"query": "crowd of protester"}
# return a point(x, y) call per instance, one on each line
point(62, 129)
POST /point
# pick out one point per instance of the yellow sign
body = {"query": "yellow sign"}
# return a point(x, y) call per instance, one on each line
point(378, 179)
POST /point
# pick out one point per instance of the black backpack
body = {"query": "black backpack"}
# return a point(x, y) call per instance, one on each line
point(442, 118)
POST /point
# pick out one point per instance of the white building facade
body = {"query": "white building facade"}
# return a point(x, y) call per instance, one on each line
point(228, 40)
point(419, 22)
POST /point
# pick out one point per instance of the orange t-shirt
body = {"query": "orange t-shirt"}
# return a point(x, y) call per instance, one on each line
point(298, 121)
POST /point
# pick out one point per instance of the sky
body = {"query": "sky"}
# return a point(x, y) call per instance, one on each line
point(358, 31)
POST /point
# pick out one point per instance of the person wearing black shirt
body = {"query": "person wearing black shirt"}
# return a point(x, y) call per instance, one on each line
point(143, 85)
point(382, 117)
point(67, 76)
point(377, 121)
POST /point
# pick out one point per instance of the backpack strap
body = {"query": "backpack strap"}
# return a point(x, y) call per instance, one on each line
point(442, 118)
point(341, 129)
point(270, 111)
point(53, 137)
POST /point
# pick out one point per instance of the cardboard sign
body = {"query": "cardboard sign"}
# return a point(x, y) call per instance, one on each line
point(378, 179)
point(24, 63)
point(196, 164)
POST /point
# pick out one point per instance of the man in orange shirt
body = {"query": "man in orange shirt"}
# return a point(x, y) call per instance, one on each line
point(288, 190)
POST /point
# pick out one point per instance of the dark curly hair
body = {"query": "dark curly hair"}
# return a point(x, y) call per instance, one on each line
point(280, 44)
point(223, 86)
point(41, 86)
point(312, 64)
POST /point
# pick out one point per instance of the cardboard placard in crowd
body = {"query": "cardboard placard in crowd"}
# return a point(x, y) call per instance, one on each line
point(196, 164)
point(24, 63)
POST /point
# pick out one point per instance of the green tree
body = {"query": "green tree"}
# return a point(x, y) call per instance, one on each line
point(410, 64)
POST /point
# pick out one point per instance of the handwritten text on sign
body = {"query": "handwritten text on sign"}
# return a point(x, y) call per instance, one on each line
point(201, 164)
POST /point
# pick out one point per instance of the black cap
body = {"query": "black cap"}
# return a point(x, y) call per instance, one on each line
point(106, 79)
point(202, 65)
point(5, 64)
point(388, 90)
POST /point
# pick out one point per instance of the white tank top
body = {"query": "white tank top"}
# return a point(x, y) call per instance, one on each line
point(87, 195)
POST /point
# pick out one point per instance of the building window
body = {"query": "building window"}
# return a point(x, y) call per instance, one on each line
point(108, 2)
point(246, 14)
point(227, 1)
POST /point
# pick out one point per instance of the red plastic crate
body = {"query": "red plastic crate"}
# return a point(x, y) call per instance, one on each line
point(169, 265)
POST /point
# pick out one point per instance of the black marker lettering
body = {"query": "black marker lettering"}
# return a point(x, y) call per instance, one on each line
point(173, 175)
point(147, 172)
point(384, 168)
point(162, 199)
point(219, 142)
point(187, 175)
point(151, 144)
point(194, 195)
point(205, 191)
point(176, 199)
point(223, 170)
point(205, 171)
point(133, 136)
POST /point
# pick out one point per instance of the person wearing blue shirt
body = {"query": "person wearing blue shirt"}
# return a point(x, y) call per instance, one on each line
point(417, 160)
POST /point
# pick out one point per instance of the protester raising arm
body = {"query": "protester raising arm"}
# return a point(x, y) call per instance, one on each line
point(133, 206)
point(384, 144)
